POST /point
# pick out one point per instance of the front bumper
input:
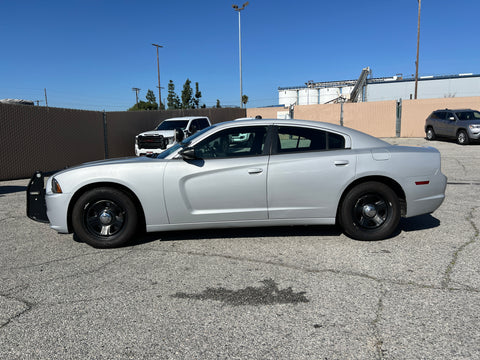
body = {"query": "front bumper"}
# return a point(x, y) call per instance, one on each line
point(36, 206)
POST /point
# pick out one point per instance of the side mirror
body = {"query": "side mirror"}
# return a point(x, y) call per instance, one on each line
point(179, 135)
point(188, 153)
point(193, 129)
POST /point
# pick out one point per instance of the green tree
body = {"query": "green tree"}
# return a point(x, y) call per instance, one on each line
point(187, 96)
point(198, 95)
point(151, 103)
point(218, 106)
point(151, 97)
point(173, 101)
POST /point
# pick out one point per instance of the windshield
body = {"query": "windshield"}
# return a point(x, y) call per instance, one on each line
point(173, 124)
point(468, 115)
point(186, 142)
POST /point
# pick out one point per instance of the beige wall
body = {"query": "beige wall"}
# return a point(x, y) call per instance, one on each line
point(266, 113)
point(375, 118)
point(414, 112)
point(329, 113)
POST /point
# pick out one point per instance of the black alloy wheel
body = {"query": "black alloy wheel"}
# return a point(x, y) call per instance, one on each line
point(370, 211)
point(104, 218)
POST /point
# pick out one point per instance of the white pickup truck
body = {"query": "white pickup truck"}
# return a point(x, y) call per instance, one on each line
point(163, 137)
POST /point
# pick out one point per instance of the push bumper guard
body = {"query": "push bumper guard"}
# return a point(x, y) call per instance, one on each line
point(36, 207)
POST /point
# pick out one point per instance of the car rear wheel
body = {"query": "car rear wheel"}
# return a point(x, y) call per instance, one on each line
point(370, 211)
point(462, 137)
point(104, 217)
point(430, 134)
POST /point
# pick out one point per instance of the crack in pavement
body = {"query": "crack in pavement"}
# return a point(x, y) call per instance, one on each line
point(447, 280)
point(379, 340)
point(319, 271)
point(28, 306)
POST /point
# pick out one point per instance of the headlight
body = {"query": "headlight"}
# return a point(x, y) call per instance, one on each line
point(474, 127)
point(56, 189)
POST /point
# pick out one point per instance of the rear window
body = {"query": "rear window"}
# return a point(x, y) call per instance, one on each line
point(294, 139)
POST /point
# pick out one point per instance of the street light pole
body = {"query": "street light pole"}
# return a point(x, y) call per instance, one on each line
point(158, 72)
point(237, 9)
point(418, 46)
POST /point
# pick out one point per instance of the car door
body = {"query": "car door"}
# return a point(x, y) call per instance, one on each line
point(307, 173)
point(226, 182)
point(440, 125)
point(451, 125)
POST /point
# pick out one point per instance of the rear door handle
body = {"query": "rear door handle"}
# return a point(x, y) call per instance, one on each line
point(341, 162)
point(255, 171)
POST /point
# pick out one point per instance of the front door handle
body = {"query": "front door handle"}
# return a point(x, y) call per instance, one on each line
point(255, 171)
point(341, 162)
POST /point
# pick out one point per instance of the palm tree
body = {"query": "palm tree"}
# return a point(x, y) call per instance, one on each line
point(244, 99)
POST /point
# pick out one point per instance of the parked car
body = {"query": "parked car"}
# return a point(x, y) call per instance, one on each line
point(291, 172)
point(163, 137)
point(462, 125)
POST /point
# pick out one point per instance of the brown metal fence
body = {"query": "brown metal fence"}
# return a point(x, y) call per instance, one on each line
point(48, 139)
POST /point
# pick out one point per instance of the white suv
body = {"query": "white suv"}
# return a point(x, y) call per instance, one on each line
point(163, 137)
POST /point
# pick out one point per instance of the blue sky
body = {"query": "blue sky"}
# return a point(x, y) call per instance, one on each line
point(90, 54)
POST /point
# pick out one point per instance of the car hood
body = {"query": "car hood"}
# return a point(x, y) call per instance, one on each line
point(117, 161)
point(165, 133)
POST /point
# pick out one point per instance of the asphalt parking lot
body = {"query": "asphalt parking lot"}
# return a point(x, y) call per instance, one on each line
point(275, 293)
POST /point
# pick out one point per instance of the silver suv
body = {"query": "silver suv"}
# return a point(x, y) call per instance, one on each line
point(462, 125)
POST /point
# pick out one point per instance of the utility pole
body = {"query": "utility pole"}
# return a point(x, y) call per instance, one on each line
point(136, 93)
point(418, 46)
point(237, 9)
point(158, 72)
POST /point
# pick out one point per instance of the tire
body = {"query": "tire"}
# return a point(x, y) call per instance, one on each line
point(104, 218)
point(462, 138)
point(370, 211)
point(430, 134)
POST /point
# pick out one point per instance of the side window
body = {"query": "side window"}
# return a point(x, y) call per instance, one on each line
point(203, 123)
point(294, 139)
point(234, 142)
point(194, 127)
point(335, 141)
point(440, 115)
point(466, 115)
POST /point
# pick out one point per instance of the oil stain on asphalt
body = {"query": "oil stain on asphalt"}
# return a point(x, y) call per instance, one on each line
point(267, 294)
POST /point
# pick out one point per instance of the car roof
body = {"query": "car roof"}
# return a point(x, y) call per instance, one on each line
point(358, 138)
point(186, 118)
point(454, 110)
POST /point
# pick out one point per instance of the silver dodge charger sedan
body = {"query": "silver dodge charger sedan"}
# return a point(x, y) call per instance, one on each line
point(245, 174)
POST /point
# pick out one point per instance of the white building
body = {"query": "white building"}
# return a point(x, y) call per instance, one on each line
point(379, 89)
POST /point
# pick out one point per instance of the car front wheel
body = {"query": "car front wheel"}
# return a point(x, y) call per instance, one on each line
point(370, 211)
point(462, 138)
point(104, 217)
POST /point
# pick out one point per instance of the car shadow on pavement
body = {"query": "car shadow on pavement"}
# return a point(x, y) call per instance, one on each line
point(9, 189)
point(235, 233)
point(421, 222)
